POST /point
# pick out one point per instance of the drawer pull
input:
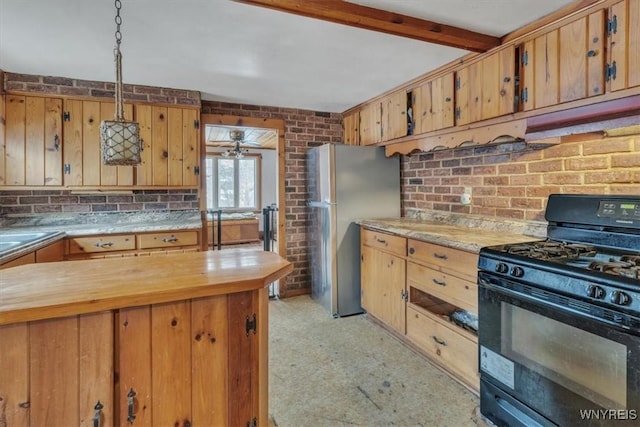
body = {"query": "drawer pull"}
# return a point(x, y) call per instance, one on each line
point(381, 241)
point(130, 396)
point(98, 414)
point(170, 239)
point(412, 251)
point(438, 340)
point(104, 245)
point(439, 283)
point(440, 256)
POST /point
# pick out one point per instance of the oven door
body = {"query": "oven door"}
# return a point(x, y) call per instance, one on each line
point(544, 360)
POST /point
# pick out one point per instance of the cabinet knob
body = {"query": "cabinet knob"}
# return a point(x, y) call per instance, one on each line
point(592, 53)
point(412, 251)
point(97, 416)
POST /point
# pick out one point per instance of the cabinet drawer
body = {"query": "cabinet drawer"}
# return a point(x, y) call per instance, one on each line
point(166, 240)
point(456, 261)
point(98, 244)
point(452, 289)
point(453, 351)
point(383, 241)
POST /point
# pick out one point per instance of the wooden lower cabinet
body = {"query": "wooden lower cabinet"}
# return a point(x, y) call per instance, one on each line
point(50, 253)
point(200, 362)
point(234, 231)
point(383, 278)
point(414, 288)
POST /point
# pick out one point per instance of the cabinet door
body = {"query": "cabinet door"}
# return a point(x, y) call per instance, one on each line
point(370, 124)
point(624, 45)
point(394, 116)
point(57, 370)
point(351, 124)
point(171, 152)
point(383, 287)
point(82, 147)
point(33, 153)
point(433, 104)
point(469, 94)
point(546, 69)
point(581, 58)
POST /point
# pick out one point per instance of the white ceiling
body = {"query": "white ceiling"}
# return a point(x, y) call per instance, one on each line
point(239, 53)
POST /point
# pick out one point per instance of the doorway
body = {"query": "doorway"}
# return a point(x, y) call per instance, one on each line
point(256, 132)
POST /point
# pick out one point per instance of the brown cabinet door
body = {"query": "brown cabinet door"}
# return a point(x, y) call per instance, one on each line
point(624, 45)
point(433, 104)
point(171, 139)
point(370, 124)
point(581, 58)
point(394, 116)
point(55, 371)
point(546, 69)
point(33, 152)
point(351, 125)
point(383, 287)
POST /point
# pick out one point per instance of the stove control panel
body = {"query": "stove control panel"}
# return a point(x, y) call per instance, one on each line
point(619, 209)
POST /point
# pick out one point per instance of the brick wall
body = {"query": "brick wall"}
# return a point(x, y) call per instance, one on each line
point(513, 180)
point(50, 85)
point(303, 129)
point(55, 201)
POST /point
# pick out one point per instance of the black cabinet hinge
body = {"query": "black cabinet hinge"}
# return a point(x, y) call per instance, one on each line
point(525, 58)
point(458, 84)
point(66, 116)
point(251, 324)
point(196, 124)
point(611, 71)
point(196, 170)
point(525, 95)
point(458, 113)
point(67, 169)
point(612, 25)
point(253, 422)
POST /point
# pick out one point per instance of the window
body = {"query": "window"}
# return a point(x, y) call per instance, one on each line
point(233, 184)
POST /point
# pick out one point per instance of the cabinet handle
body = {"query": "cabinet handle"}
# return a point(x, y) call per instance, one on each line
point(412, 251)
point(170, 239)
point(130, 396)
point(438, 340)
point(98, 414)
point(447, 99)
point(381, 241)
point(440, 256)
point(104, 245)
point(439, 283)
point(56, 142)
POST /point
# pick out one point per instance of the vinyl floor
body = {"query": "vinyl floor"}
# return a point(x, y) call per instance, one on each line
point(351, 372)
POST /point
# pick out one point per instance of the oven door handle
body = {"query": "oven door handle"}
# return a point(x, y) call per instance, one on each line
point(483, 282)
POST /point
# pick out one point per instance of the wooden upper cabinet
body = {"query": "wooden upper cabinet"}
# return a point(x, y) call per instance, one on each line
point(33, 152)
point(82, 147)
point(433, 104)
point(351, 128)
point(370, 124)
point(171, 146)
point(486, 88)
point(623, 38)
point(394, 116)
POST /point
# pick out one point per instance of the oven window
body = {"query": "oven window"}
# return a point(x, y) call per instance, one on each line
point(587, 364)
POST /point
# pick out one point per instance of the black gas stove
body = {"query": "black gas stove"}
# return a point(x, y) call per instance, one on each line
point(592, 252)
point(559, 319)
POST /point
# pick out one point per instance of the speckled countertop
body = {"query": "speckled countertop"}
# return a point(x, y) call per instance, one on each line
point(460, 231)
point(57, 226)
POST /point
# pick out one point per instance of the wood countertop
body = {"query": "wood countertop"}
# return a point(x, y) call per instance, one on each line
point(58, 289)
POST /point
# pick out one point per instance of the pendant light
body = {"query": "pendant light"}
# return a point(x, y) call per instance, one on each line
point(236, 136)
point(120, 138)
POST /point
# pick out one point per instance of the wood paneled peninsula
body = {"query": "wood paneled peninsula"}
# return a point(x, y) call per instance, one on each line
point(178, 340)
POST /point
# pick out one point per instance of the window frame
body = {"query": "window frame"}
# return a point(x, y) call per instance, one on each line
point(211, 183)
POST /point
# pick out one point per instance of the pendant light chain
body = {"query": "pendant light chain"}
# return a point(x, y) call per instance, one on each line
point(118, 59)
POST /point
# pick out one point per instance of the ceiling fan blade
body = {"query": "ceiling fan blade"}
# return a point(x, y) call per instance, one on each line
point(254, 143)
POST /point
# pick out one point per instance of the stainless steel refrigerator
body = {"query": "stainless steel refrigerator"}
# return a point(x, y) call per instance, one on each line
point(345, 183)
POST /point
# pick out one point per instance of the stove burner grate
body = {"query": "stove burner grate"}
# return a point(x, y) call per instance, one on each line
point(628, 266)
point(549, 249)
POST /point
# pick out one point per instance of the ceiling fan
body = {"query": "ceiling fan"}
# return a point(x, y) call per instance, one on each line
point(237, 137)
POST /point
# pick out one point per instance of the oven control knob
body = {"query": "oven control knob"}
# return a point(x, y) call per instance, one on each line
point(517, 272)
point(596, 292)
point(501, 267)
point(620, 298)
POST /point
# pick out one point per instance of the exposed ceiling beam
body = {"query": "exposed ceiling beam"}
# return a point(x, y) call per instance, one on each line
point(384, 21)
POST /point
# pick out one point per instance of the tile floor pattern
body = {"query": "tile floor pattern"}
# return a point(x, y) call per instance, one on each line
point(350, 372)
